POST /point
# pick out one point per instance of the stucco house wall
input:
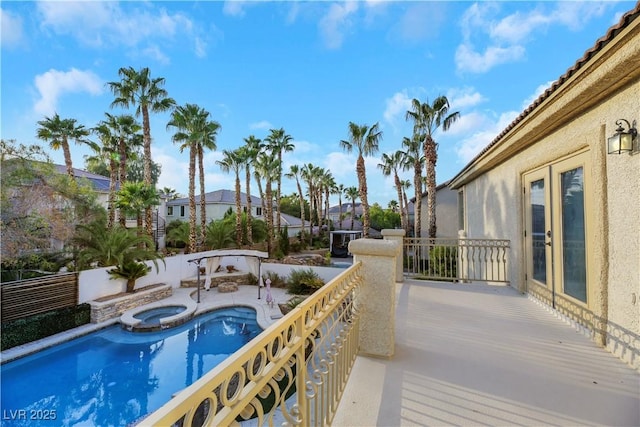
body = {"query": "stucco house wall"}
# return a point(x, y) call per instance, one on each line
point(446, 212)
point(573, 120)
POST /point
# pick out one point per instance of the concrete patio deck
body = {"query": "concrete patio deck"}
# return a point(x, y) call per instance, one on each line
point(475, 354)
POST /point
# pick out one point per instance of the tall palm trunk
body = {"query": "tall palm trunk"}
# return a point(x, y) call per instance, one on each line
point(203, 203)
point(340, 209)
point(113, 176)
point(122, 150)
point(278, 191)
point(403, 218)
point(362, 191)
point(67, 158)
point(238, 212)
point(326, 207)
point(262, 196)
point(319, 209)
point(302, 214)
point(417, 206)
point(269, 215)
point(192, 199)
point(431, 157)
point(406, 208)
point(249, 214)
point(146, 131)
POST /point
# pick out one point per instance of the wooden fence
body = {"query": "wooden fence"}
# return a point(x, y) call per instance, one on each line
point(24, 298)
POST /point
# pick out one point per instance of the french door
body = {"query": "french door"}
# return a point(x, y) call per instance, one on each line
point(556, 227)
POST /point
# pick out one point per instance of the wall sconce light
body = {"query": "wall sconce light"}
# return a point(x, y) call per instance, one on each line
point(622, 140)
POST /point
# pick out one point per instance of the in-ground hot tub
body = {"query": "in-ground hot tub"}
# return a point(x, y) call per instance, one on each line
point(156, 318)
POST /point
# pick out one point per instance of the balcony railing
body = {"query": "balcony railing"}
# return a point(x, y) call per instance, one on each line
point(457, 259)
point(294, 372)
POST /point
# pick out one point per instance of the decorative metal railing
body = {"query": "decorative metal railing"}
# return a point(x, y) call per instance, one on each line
point(457, 259)
point(293, 373)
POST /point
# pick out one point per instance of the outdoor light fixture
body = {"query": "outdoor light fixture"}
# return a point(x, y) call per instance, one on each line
point(622, 141)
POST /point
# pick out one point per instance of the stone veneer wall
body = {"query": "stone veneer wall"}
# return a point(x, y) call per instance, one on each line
point(237, 278)
point(112, 308)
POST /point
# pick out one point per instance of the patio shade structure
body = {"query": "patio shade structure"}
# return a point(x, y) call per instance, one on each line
point(253, 259)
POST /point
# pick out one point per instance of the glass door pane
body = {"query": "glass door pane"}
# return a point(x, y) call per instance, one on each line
point(538, 249)
point(573, 234)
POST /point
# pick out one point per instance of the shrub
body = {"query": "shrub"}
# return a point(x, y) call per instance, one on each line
point(304, 281)
point(277, 281)
point(283, 241)
point(443, 261)
point(32, 328)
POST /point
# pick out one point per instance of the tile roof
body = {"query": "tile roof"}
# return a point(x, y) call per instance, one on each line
point(219, 196)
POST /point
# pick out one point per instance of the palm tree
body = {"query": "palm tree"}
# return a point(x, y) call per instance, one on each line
point(137, 89)
point(328, 184)
point(365, 139)
point(294, 173)
point(267, 167)
point(134, 197)
point(352, 194)
point(248, 153)
point(427, 118)
point(168, 193)
point(279, 142)
point(393, 205)
point(339, 190)
point(308, 175)
point(219, 234)
point(207, 141)
point(406, 184)
point(390, 164)
point(108, 151)
point(98, 245)
point(414, 158)
point(232, 161)
point(189, 121)
point(57, 132)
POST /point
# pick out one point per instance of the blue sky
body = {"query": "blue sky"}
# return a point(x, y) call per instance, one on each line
point(309, 67)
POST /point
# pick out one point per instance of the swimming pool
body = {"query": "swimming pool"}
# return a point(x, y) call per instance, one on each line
point(114, 377)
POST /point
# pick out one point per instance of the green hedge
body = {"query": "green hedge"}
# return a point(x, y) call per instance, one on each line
point(32, 328)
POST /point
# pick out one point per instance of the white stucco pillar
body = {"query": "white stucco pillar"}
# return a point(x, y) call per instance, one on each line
point(398, 237)
point(377, 299)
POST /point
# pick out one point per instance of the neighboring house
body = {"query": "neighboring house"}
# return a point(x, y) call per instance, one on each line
point(570, 209)
point(219, 202)
point(447, 224)
point(335, 213)
point(99, 183)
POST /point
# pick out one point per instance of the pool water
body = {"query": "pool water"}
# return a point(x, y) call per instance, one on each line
point(153, 316)
point(114, 377)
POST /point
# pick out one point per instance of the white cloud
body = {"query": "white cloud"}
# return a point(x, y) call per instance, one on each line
point(468, 148)
point(12, 32)
point(108, 25)
point(234, 8)
point(397, 106)
point(155, 53)
point(336, 23)
point(467, 59)
point(52, 84)
point(341, 165)
point(504, 38)
point(464, 98)
point(468, 123)
point(261, 125)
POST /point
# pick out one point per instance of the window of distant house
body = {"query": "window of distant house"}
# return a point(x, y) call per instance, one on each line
point(169, 210)
point(181, 210)
point(461, 210)
point(259, 211)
